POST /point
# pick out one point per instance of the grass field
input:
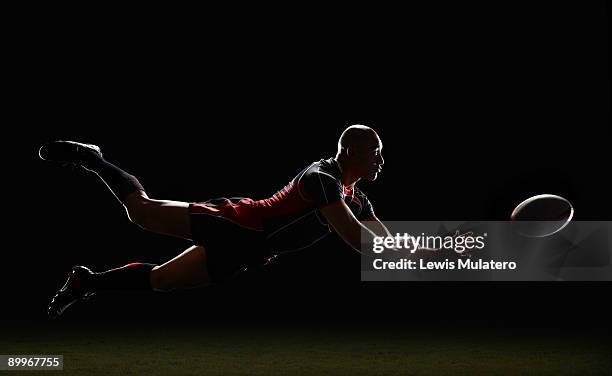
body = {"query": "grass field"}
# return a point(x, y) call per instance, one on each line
point(315, 351)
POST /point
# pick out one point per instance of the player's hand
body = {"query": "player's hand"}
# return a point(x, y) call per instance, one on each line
point(460, 234)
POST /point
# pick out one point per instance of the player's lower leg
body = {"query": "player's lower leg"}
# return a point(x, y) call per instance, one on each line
point(188, 269)
point(161, 216)
point(82, 283)
point(90, 157)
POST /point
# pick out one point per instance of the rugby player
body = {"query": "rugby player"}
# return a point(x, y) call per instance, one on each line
point(230, 235)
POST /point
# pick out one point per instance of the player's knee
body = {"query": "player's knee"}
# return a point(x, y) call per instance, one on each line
point(137, 211)
point(159, 281)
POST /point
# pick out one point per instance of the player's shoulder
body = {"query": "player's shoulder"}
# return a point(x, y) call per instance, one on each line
point(321, 181)
point(327, 167)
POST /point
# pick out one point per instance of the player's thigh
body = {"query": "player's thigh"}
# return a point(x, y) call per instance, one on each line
point(188, 269)
point(161, 216)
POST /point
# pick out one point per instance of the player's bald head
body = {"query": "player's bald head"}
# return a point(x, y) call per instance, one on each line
point(358, 137)
point(360, 152)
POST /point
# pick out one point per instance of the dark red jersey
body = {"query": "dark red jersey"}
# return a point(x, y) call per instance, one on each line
point(291, 219)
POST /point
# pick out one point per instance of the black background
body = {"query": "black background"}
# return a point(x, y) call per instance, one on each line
point(478, 107)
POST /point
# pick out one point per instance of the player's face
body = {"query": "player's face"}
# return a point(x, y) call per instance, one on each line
point(372, 161)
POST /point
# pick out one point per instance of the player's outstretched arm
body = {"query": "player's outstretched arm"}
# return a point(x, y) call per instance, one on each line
point(340, 217)
point(377, 227)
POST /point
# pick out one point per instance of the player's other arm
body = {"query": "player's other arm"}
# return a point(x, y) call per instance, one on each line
point(340, 217)
point(377, 227)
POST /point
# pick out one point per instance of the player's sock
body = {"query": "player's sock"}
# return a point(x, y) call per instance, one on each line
point(118, 181)
point(134, 276)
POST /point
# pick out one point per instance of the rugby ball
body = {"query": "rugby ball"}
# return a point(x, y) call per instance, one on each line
point(542, 215)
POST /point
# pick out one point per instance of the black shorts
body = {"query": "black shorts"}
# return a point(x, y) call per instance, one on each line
point(230, 247)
